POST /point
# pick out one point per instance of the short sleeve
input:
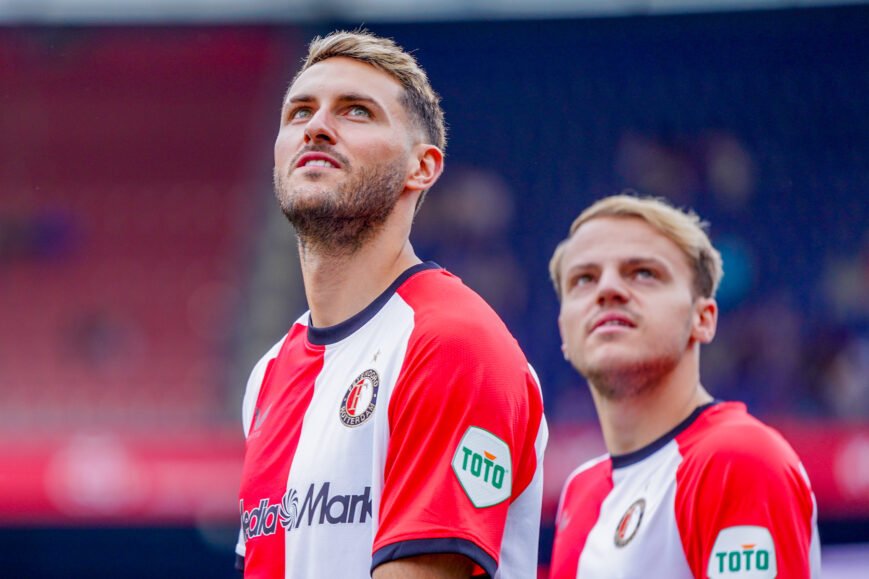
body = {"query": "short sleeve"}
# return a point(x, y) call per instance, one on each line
point(466, 427)
point(744, 504)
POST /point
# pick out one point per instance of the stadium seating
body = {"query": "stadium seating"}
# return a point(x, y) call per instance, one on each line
point(126, 178)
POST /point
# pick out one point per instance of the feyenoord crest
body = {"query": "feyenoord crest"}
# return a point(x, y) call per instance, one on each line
point(359, 401)
point(630, 523)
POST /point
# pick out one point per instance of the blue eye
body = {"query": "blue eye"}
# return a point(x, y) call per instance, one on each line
point(580, 280)
point(358, 111)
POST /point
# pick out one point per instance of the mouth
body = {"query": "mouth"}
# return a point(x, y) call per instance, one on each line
point(613, 321)
point(318, 160)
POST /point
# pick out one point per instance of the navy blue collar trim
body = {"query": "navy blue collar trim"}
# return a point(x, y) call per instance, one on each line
point(623, 460)
point(336, 333)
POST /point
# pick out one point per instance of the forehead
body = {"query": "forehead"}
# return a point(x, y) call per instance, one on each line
point(616, 239)
point(339, 75)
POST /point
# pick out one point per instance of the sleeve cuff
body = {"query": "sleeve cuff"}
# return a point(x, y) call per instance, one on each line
point(414, 547)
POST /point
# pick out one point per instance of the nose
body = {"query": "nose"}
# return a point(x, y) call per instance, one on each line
point(320, 128)
point(611, 289)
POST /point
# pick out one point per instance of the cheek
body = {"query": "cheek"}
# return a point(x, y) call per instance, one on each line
point(682, 317)
point(284, 149)
point(570, 323)
point(380, 144)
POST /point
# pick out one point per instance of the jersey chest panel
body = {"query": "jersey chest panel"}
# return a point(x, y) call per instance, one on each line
point(331, 489)
point(637, 527)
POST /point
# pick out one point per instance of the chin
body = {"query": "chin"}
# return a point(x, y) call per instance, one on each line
point(614, 354)
point(610, 364)
point(308, 197)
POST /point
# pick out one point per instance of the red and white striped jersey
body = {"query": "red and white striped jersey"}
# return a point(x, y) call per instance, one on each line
point(414, 427)
point(721, 495)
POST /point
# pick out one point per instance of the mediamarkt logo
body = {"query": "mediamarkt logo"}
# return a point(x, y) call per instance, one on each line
point(318, 505)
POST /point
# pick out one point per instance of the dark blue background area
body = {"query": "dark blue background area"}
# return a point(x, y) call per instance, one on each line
point(112, 553)
point(164, 552)
point(544, 104)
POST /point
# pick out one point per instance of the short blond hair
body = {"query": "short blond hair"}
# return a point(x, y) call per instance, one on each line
point(682, 226)
point(419, 99)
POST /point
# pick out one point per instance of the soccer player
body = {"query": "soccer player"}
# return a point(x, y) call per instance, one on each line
point(397, 430)
point(691, 486)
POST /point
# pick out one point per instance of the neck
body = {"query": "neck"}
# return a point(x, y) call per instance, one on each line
point(629, 423)
point(340, 284)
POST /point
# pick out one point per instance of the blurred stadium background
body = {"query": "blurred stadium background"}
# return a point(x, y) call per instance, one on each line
point(144, 265)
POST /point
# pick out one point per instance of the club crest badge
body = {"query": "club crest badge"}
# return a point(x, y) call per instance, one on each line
point(360, 399)
point(630, 523)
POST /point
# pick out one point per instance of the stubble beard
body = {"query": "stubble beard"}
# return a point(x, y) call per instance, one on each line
point(339, 221)
point(629, 380)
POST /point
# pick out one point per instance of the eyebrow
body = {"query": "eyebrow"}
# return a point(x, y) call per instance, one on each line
point(581, 266)
point(630, 262)
point(646, 261)
point(347, 97)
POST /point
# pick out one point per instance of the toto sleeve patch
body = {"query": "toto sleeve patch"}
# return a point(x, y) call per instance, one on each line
point(482, 463)
point(743, 552)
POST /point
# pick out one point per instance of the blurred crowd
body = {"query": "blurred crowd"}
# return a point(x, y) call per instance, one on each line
point(129, 265)
point(783, 349)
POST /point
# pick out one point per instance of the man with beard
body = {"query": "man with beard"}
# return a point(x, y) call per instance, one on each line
point(691, 486)
point(397, 429)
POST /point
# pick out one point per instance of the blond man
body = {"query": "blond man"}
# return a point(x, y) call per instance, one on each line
point(397, 429)
point(691, 486)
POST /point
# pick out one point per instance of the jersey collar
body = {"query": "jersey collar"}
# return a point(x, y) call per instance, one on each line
point(623, 460)
point(336, 333)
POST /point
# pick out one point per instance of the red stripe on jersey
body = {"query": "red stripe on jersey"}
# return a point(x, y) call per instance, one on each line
point(284, 397)
point(739, 471)
point(461, 365)
point(578, 512)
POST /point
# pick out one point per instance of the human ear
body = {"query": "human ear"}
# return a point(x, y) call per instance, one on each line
point(705, 320)
point(427, 164)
